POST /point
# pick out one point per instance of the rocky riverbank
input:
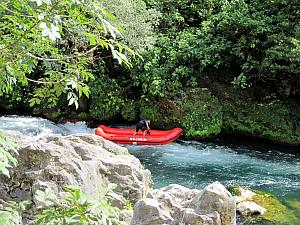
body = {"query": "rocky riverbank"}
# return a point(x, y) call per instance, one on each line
point(90, 162)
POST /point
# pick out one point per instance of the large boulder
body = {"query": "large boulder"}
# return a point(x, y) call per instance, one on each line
point(84, 160)
point(196, 110)
point(216, 198)
point(176, 204)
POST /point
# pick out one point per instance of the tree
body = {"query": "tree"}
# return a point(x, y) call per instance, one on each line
point(52, 43)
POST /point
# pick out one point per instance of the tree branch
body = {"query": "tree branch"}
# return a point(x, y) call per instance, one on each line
point(8, 204)
point(67, 57)
point(44, 82)
point(15, 12)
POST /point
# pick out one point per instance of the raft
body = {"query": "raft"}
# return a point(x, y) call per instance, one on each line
point(125, 135)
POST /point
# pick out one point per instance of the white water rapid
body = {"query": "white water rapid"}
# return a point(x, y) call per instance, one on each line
point(38, 127)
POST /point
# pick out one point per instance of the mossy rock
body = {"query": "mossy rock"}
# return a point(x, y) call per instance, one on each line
point(269, 119)
point(234, 190)
point(294, 206)
point(277, 213)
point(196, 111)
point(164, 113)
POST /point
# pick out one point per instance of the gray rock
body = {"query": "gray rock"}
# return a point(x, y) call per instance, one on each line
point(149, 212)
point(79, 160)
point(215, 198)
point(245, 193)
point(189, 216)
point(126, 215)
point(250, 208)
point(40, 185)
point(175, 205)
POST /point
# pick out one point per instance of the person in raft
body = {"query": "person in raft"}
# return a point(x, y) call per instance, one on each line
point(143, 125)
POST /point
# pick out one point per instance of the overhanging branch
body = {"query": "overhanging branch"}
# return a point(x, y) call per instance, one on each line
point(65, 58)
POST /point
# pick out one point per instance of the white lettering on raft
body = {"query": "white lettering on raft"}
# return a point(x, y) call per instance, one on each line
point(138, 139)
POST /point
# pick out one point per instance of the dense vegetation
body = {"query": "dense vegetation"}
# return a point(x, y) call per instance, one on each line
point(245, 53)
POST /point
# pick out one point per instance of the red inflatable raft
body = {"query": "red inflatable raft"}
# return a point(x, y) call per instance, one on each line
point(125, 136)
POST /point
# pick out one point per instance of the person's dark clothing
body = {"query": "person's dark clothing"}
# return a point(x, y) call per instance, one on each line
point(141, 125)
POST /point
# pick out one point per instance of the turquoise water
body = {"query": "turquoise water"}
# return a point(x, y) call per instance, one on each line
point(196, 165)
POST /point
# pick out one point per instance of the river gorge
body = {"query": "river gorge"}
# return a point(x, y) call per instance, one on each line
point(262, 167)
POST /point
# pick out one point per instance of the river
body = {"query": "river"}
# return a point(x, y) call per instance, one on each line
point(196, 165)
point(193, 164)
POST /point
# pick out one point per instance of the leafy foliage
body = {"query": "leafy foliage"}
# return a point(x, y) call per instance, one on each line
point(8, 148)
point(137, 22)
point(266, 54)
point(10, 212)
point(77, 208)
point(107, 99)
point(251, 43)
point(166, 69)
point(129, 110)
point(203, 115)
point(54, 42)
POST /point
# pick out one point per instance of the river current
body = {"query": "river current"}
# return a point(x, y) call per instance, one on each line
point(194, 164)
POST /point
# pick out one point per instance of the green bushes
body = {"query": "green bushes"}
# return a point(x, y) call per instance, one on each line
point(195, 110)
point(202, 115)
point(129, 110)
point(107, 98)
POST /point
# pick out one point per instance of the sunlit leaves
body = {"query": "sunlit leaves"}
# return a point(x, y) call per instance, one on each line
point(40, 2)
point(51, 32)
point(77, 208)
point(240, 81)
point(45, 198)
point(9, 217)
point(8, 148)
point(10, 212)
